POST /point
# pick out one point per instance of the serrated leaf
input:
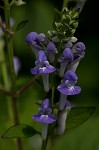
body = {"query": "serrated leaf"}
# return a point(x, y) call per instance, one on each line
point(78, 115)
point(19, 131)
point(21, 25)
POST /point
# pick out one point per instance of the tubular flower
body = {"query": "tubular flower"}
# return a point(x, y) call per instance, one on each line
point(44, 115)
point(67, 87)
point(66, 57)
point(51, 51)
point(35, 41)
point(44, 68)
point(78, 52)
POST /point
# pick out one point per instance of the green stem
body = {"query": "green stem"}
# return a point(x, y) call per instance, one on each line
point(52, 99)
point(44, 144)
point(3, 67)
point(65, 2)
point(9, 46)
point(6, 82)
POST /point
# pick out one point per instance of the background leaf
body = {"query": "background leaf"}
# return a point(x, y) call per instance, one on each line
point(21, 25)
point(79, 115)
point(19, 131)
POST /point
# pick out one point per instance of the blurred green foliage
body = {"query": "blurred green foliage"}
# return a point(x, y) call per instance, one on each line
point(40, 15)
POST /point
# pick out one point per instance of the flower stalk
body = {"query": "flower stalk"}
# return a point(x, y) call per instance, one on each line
point(9, 46)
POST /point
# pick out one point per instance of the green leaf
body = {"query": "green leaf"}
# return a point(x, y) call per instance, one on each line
point(78, 115)
point(19, 131)
point(21, 25)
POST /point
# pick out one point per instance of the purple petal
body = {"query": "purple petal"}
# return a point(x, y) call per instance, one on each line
point(51, 47)
point(43, 70)
point(70, 75)
point(67, 53)
point(79, 46)
point(66, 56)
point(35, 70)
point(69, 90)
point(47, 70)
point(45, 104)
point(68, 44)
point(44, 118)
point(31, 37)
point(41, 56)
point(41, 37)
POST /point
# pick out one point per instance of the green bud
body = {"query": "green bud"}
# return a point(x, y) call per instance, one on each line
point(19, 3)
point(65, 10)
point(72, 31)
point(63, 17)
point(49, 33)
point(55, 39)
point(55, 111)
point(73, 39)
point(68, 18)
point(75, 25)
point(74, 14)
point(58, 25)
point(52, 33)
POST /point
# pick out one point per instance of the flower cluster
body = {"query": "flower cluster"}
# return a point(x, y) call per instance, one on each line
point(46, 53)
point(59, 53)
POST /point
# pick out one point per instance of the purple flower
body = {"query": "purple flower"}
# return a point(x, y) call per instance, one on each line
point(78, 47)
point(44, 115)
point(35, 41)
point(66, 57)
point(44, 68)
point(41, 37)
point(67, 87)
point(68, 44)
point(78, 52)
point(51, 51)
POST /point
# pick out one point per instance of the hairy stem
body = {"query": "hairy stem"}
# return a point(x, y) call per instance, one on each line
point(9, 46)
